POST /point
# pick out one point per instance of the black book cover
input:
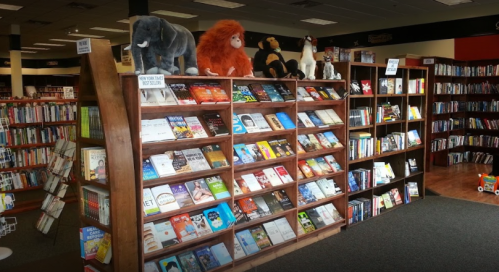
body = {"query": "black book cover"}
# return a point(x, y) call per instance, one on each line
point(284, 92)
point(383, 86)
point(273, 203)
point(238, 214)
point(342, 92)
point(283, 199)
point(316, 218)
point(355, 88)
point(215, 124)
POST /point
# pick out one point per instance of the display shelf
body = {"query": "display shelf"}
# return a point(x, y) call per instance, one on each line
point(23, 189)
point(23, 167)
point(90, 141)
point(309, 130)
point(320, 202)
point(390, 153)
point(93, 182)
point(321, 152)
point(326, 176)
point(414, 174)
point(38, 100)
point(91, 222)
point(186, 142)
point(416, 120)
point(338, 224)
point(392, 181)
point(180, 108)
point(264, 251)
point(185, 176)
point(360, 127)
point(266, 190)
point(320, 103)
point(361, 96)
point(188, 209)
point(390, 123)
point(361, 159)
point(261, 220)
point(263, 105)
point(100, 266)
point(251, 137)
point(43, 124)
point(30, 145)
point(391, 95)
point(259, 164)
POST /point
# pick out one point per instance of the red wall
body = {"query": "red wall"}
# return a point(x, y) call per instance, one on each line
point(476, 48)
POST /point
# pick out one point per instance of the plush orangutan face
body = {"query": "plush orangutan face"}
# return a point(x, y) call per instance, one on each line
point(235, 41)
point(273, 42)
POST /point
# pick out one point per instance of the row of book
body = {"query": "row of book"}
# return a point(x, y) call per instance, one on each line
point(262, 150)
point(479, 157)
point(318, 217)
point(361, 145)
point(481, 140)
point(55, 185)
point(446, 125)
point(36, 135)
point(165, 198)
point(360, 117)
point(448, 107)
point(24, 157)
point(442, 69)
point(261, 179)
point(316, 167)
point(252, 208)
point(320, 93)
point(93, 163)
point(387, 86)
point(391, 142)
point(313, 142)
point(483, 88)
point(95, 203)
point(457, 157)
point(38, 113)
point(91, 126)
point(438, 144)
point(487, 70)
point(256, 122)
point(478, 123)
point(318, 118)
point(316, 190)
point(455, 141)
point(449, 88)
point(387, 113)
point(95, 244)
point(22, 179)
point(485, 106)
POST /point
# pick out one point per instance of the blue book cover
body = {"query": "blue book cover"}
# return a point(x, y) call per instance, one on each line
point(272, 93)
point(170, 264)
point(332, 138)
point(189, 262)
point(236, 159)
point(315, 119)
point(226, 214)
point(214, 219)
point(286, 122)
point(148, 171)
point(221, 253)
point(306, 193)
point(243, 153)
point(247, 242)
point(89, 241)
point(206, 258)
point(351, 182)
point(237, 126)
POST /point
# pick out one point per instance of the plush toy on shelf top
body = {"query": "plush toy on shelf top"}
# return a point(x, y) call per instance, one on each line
point(153, 36)
point(329, 72)
point(220, 51)
point(307, 59)
point(269, 60)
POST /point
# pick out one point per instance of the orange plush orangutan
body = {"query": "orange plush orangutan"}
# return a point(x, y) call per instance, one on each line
point(220, 51)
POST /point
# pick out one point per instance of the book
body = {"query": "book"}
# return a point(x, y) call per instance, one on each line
point(179, 127)
point(157, 97)
point(248, 123)
point(272, 176)
point(260, 237)
point(324, 117)
point(336, 118)
point(215, 124)
point(148, 171)
point(247, 242)
point(148, 267)
point(316, 169)
point(306, 143)
point(195, 127)
point(272, 93)
point(105, 251)
point(245, 91)
point(276, 147)
point(215, 156)
point(221, 253)
point(286, 94)
point(201, 224)
point(255, 153)
point(237, 126)
point(383, 86)
point(305, 119)
point(238, 249)
point(398, 86)
point(237, 189)
point(165, 199)
point(262, 179)
point(366, 87)
point(149, 203)
point(196, 159)
point(413, 167)
point(169, 264)
point(248, 207)
point(266, 150)
point(355, 88)
point(325, 167)
point(387, 201)
point(272, 203)
point(305, 168)
point(150, 238)
point(165, 233)
point(308, 197)
point(313, 93)
point(260, 122)
point(251, 182)
point(316, 191)
point(413, 138)
point(189, 262)
point(182, 95)
point(179, 162)
point(305, 222)
point(214, 219)
point(89, 241)
point(283, 199)
point(396, 195)
point(217, 187)
point(327, 189)
point(261, 206)
point(235, 158)
point(184, 228)
point(163, 164)
point(274, 122)
point(303, 95)
point(243, 153)
point(283, 174)
point(242, 185)
point(238, 214)
point(226, 214)
point(316, 218)
point(273, 232)
point(413, 189)
point(390, 86)
point(314, 118)
point(314, 141)
point(323, 140)
point(327, 218)
point(237, 96)
point(258, 91)
point(181, 195)
point(219, 94)
point(156, 130)
point(333, 211)
point(285, 120)
point(324, 94)
point(285, 229)
point(286, 147)
point(332, 139)
point(332, 93)
point(95, 164)
point(199, 191)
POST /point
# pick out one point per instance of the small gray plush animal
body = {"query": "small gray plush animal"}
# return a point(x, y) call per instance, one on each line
point(328, 71)
point(154, 36)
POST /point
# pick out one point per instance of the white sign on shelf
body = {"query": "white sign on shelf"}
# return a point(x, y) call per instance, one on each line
point(83, 46)
point(151, 81)
point(68, 92)
point(391, 67)
point(428, 61)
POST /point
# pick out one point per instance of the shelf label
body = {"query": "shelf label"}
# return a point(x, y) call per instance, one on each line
point(151, 81)
point(83, 46)
point(428, 61)
point(391, 68)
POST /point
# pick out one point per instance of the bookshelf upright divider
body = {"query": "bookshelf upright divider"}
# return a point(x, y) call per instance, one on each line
point(100, 86)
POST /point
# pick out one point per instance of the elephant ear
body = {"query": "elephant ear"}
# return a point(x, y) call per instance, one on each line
point(168, 33)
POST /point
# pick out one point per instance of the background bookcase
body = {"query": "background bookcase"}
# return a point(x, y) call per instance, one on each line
point(99, 85)
point(143, 150)
point(369, 71)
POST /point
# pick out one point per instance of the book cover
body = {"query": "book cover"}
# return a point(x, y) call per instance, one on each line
point(274, 122)
point(285, 92)
point(164, 198)
point(383, 86)
point(237, 126)
point(305, 119)
point(272, 203)
point(258, 91)
point(327, 218)
point(148, 267)
point(242, 185)
point(261, 206)
point(150, 238)
point(199, 191)
point(235, 158)
point(272, 176)
point(217, 187)
point(181, 195)
point(237, 95)
point(221, 253)
point(248, 206)
point(316, 219)
point(366, 87)
point(215, 156)
point(239, 214)
point(255, 153)
point(283, 174)
point(286, 146)
point(156, 130)
point(396, 196)
point(285, 120)
point(89, 241)
point(163, 164)
point(195, 127)
point(326, 187)
point(273, 232)
point(260, 237)
point(387, 201)
point(316, 191)
point(299, 174)
point(306, 144)
point(179, 127)
point(196, 159)
point(390, 86)
point(148, 171)
point(332, 93)
point(179, 162)
point(206, 258)
point(336, 118)
point(149, 203)
point(412, 165)
point(237, 189)
point(306, 193)
point(184, 228)
point(219, 94)
point(324, 94)
point(285, 229)
point(243, 153)
point(276, 147)
point(166, 234)
point(272, 93)
point(215, 124)
point(398, 86)
point(332, 139)
point(315, 141)
point(315, 167)
point(305, 222)
point(201, 224)
point(251, 182)
point(95, 164)
point(182, 94)
point(333, 163)
point(262, 179)
point(326, 169)
point(323, 140)
point(248, 122)
point(324, 117)
point(189, 262)
point(170, 264)
point(313, 93)
point(283, 199)
point(248, 96)
point(260, 122)
point(247, 242)
point(413, 138)
point(303, 95)
point(238, 249)
point(266, 150)
point(355, 88)
point(413, 189)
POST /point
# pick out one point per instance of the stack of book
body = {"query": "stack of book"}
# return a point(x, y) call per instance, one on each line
point(413, 113)
point(262, 179)
point(361, 145)
point(359, 209)
point(262, 150)
point(316, 167)
point(256, 122)
point(95, 204)
point(359, 179)
point(390, 86)
point(387, 113)
point(316, 190)
point(382, 173)
point(319, 141)
point(391, 142)
point(38, 112)
point(318, 118)
point(251, 208)
point(386, 201)
point(318, 217)
point(95, 244)
point(91, 126)
point(360, 117)
point(36, 135)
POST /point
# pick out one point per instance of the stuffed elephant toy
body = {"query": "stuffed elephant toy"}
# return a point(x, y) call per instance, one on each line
point(154, 36)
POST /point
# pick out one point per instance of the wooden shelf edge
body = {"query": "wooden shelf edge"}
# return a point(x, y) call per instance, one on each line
point(184, 176)
point(259, 253)
point(335, 225)
point(96, 224)
point(320, 202)
point(200, 206)
point(263, 219)
point(253, 165)
point(321, 152)
point(23, 189)
point(266, 190)
point(314, 178)
point(100, 266)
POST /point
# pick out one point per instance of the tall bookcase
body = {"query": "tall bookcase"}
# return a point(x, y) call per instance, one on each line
point(136, 113)
point(100, 86)
point(368, 71)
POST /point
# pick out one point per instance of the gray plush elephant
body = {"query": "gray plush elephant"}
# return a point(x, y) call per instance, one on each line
point(154, 36)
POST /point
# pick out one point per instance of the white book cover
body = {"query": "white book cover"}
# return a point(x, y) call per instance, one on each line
point(283, 174)
point(201, 225)
point(164, 198)
point(162, 130)
point(285, 229)
point(336, 118)
point(147, 134)
point(398, 86)
point(326, 188)
point(252, 182)
point(272, 176)
point(303, 95)
point(163, 165)
point(305, 119)
point(238, 250)
point(261, 122)
point(273, 232)
point(333, 211)
point(316, 191)
point(196, 127)
point(237, 189)
point(150, 205)
point(412, 86)
point(196, 159)
point(325, 118)
point(248, 122)
point(325, 215)
point(151, 267)
point(151, 239)
point(149, 97)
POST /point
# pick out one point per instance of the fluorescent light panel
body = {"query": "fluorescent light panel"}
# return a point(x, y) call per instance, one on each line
point(174, 14)
point(109, 29)
point(10, 7)
point(454, 2)
point(63, 40)
point(125, 21)
point(85, 35)
point(49, 44)
point(28, 52)
point(318, 21)
point(221, 3)
point(35, 48)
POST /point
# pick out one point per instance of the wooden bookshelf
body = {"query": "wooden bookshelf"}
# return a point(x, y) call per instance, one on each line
point(373, 72)
point(99, 80)
point(136, 113)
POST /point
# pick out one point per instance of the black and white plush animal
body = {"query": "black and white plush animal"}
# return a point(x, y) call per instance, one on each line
point(328, 71)
point(153, 36)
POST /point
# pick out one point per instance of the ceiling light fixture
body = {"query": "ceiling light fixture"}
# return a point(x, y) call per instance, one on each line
point(35, 48)
point(109, 29)
point(125, 21)
point(28, 52)
point(10, 7)
point(49, 44)
point(221, 3)
point(318, 21)
point(454, 2)
point(63, 40)
point(174, 14)
point(85, 35)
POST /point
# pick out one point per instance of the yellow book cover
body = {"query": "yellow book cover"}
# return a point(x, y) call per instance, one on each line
point(378, 147)
point(413, 110)
point(422, 86)
point(104, 252)
point(267, 152)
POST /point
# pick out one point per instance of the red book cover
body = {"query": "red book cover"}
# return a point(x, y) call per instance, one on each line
point(219, 94)
point(242, 184)
point(247, 205)
point(305, 168)
point(201, 93)
point(262, 179)
point(183, 227)
point(366, 87)
point(314, 93)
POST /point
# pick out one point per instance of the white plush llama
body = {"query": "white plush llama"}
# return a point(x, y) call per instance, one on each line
point(307, 58)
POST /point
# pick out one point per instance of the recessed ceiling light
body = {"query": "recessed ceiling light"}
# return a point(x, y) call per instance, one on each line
point(221, 3)
point(174, 14)
point(35, 48)
point(454, 2)
point(85, 35)
point(63, 40)
point(109, 29)
point(49, 44)
point(10, 7)
point(28, 52)
point(318, 21)
point(125, 21)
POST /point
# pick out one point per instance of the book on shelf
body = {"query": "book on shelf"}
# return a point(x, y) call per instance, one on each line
point(355, 88)
point(383, 86)
point(247, 94)
point(258, 91)
point(201, 224)
point(260, 122)
point(237, 96)
point(96, 204)
point(305, 222)
point(260, 237)
point(89, 241)
point(181, 195)
point(178, 161)
point(285, 120)
point(315, 142)
point(305, 119)
point(182, 94)
point(366, 87)
point(199, 191)
point(262, 207)
point(215, 124)
point(272, 93)
point(283, 199)
point(105, 251)
point(390, 85)
point(195, 127)
point(316, 191)
point(149, 203)
point(201, 93)
point(215, 156)
point(286, 94)
point(272, 176)
point(249, 208)
point(413, 167)
point(157, 97)
point(303, 95)
point(249, 123)
point(247, 242)
point(170, 263)
point(237, 125)
point(243, 153)
point(195, 159)
point(238, 249)
point(94, 161)
point(221, 253)
point(165, 199)
point(165, 233)
point(262, 179)
point(156, 130)
point(306, 194)
point(283, 174)
point(266, 150)
point(217, 187)
point(179, 127)
point(413, 138)
point(316, 218)
point(150, 238)
point(313, 93)
point(183, 227)
point(255, 153)
point(398, 85)
point(188, 261)
point(163, 164)
point(413, 189)
point(314, 118)
point(273, 232)
point(219, 94)
point(274, 122)
point(251, 182)
point(285, 229)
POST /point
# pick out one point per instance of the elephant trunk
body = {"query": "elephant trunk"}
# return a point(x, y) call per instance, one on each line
point(137, 58)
